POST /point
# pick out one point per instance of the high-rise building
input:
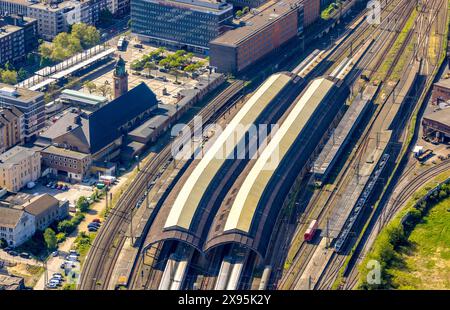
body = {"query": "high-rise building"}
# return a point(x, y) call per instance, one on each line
point(186, 24)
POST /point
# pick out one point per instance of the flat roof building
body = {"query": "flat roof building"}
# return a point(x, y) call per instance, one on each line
point(18, 36)
point(441, 90)
point(29, 102)
point(186, 24)
point(83, 100)
point(19, 166)
point(260, 32)
point(55, 17)
point(436, 125)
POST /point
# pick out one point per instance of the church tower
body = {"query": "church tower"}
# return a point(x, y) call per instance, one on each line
point(120, 78)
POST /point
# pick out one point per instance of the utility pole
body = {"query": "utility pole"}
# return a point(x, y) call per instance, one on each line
point(45, 273)
point(131, 226)
point(328, 232)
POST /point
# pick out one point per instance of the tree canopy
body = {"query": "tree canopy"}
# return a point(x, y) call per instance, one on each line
point(64, 45)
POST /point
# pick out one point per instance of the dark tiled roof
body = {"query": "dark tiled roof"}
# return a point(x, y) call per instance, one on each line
point(100, 128)
point(104, 123)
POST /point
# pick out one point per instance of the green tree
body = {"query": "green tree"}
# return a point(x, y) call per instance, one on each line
point(9, 66)
point(66, 226)
point(88, 35)
point(3, 243)
point(82, 204)
point(50, 239)
point(9, 77)
point(104, 90)
point(150, 66)
point(22, 74)
point(239, 14)
point(90, 86)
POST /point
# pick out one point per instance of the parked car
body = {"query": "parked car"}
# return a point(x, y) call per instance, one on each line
point(51, 285)
point(92, 229)
point(74, 252)
point(95, 224)
point(55, 281)
point(24, 255)
point(72, 258)
point(13, 253)
point(96, 221)
point(57, 276)
point(55, 253)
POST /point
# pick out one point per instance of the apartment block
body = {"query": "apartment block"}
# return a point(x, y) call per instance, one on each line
point(18, 37)
point(19, 166)
point(55, 16)
point(30, 103)
point(11, 128)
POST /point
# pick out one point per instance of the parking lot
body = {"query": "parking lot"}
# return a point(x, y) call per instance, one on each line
point(163, 85)
point(71, 194)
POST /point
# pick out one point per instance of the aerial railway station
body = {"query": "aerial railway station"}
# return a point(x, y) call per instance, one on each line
point(184, 214)
point(223, 208)
point(254, 208)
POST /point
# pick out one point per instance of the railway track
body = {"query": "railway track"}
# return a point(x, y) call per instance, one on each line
point(409, 188)
point(105, 250)
point(304, 253)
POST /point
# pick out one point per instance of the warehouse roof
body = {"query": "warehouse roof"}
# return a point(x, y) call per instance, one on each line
point(440, 116)
point(244, 206)
point(191, 193)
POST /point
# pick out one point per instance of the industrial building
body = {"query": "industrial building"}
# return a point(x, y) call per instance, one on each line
point(436, 125)
point(441, 90)
point(260, 32)
point(82, 100)
point(18, 37)
point(185, 24)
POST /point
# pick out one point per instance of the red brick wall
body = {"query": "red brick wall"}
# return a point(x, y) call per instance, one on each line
point(440, 92)
point(267, 40)
point(312, 11)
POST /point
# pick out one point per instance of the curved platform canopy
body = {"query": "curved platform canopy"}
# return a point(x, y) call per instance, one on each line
point(188, 199)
